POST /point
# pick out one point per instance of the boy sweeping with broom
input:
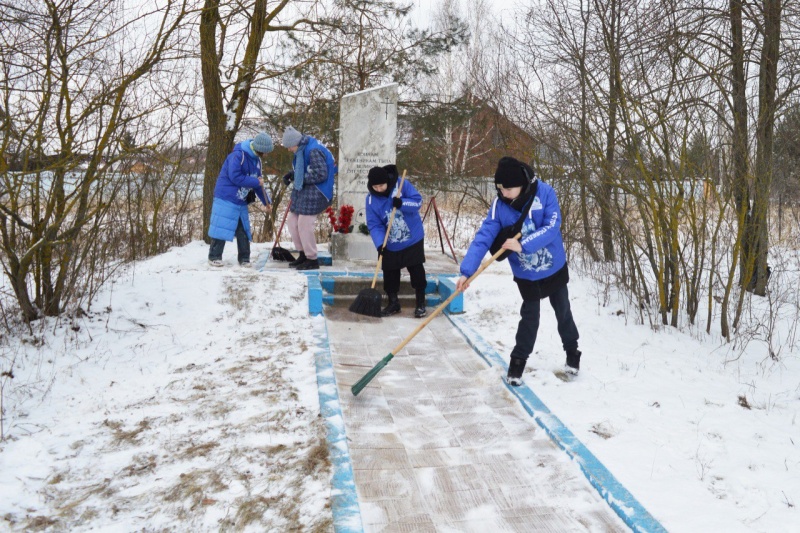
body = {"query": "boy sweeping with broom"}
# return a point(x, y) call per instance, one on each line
point(405, 246)
point(525, 204)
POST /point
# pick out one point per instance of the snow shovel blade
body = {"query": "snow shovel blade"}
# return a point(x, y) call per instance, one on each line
point(364, 381)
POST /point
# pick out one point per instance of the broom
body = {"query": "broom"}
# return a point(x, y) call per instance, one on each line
point(279, 253)
point(368, 301)
point(369, 376)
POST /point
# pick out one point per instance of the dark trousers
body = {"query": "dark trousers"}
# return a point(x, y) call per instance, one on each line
point(242, 243)
point(391, 278)
point(529, 324)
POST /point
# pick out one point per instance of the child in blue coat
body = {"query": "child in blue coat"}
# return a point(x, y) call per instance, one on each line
point(527, 205)
point(240, 174)
point(405, 247)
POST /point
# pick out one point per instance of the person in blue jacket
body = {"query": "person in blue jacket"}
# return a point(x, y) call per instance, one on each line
point(240, 174)
point(311, 180)
point(405, 247)
point(539, 263)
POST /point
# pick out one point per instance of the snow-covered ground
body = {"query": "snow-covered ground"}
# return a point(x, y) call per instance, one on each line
point(186, 399)
point(706, 437)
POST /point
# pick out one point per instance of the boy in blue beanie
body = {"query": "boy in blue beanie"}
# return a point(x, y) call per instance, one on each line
point(527, 205)
point(240, 174)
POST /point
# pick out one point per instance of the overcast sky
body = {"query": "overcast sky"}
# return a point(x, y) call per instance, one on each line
point(422, 8)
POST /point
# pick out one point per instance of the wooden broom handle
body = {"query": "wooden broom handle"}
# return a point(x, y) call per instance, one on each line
point(388, 229)
point(450, 298)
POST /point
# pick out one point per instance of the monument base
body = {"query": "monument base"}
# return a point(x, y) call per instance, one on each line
point(346, 246)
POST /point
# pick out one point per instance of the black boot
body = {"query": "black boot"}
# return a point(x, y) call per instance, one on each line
point(299, 261)
point(573, 361)
point(515, 369)
point(309, 264)
point(393, 307)
point(420, 311)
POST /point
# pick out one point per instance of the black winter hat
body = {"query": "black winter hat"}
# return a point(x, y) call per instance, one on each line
point(510, 173)
point(377, 176)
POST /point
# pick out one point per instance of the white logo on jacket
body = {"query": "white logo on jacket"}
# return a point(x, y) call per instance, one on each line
point(400, 230)
point(539, 260)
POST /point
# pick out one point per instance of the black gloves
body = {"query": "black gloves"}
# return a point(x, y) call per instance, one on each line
point(506, 233)
point(397, 202)
point(288, 178)
point(380, 250)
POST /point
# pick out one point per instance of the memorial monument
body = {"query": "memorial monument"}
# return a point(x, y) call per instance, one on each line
point(367, 138)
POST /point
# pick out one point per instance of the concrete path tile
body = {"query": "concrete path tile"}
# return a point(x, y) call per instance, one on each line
point(408, 510)
point(379, 459)
point(439, 457)
point(447, 479)
point(402, 527)
point(375, 485)
point(374, 440)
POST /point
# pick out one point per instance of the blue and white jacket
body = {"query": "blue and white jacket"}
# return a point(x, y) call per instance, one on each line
point(407, 225)
point(542, 246)
point(238, 176)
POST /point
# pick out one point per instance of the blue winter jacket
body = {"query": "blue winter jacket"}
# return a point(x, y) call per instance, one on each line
point(238, 176)
point(542, 247)
point(407, 225)
point(317, 191)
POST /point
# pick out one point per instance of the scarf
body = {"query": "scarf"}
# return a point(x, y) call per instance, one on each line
point(299, 166)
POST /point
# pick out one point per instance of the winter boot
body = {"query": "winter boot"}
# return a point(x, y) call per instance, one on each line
point(515, 368)
point(299, 261)
point(573, 362)
point(309, 264)
point(420, 311)
point(393, 307)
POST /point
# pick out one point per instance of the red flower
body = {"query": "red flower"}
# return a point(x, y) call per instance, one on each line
point(342, 225)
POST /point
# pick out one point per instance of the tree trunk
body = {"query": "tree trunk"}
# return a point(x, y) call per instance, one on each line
point(739, 151)
point(767, 87)
point(611, 35)
point(224, 122)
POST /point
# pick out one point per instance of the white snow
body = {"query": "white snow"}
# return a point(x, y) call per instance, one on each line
point(187, 399)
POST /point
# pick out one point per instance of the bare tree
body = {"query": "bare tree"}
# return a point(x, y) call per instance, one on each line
point(76, 77)
point(231, 41)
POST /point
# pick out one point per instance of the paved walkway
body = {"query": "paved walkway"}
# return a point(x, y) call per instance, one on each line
point(439, 444)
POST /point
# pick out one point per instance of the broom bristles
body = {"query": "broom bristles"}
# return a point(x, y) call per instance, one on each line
point(369, 376)
point(368, 302)
point(282, 254)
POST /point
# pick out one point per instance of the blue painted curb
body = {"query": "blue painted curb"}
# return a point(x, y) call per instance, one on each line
point(447, 287)
point(314, 295)
point(346, 513)
point(617, 496)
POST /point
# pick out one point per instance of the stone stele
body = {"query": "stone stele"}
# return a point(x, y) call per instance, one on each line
point(367, 138)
